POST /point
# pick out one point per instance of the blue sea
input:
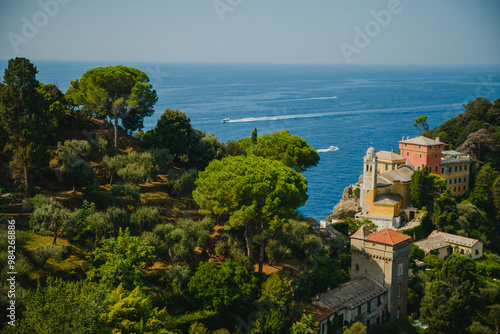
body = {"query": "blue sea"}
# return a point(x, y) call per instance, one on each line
point(351, 107)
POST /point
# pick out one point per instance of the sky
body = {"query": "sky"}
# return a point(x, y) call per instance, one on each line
point(253, 31)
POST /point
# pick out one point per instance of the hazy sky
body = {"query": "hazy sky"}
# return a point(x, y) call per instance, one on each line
point(253, 31)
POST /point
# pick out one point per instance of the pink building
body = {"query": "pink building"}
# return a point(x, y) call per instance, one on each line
point(422, 151)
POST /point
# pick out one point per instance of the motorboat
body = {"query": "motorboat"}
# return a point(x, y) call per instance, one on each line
point(225, 120)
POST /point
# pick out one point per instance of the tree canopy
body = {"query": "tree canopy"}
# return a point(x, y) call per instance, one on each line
point(250, 190)
point(25, 118)
point(293, 151)
point(118, 92)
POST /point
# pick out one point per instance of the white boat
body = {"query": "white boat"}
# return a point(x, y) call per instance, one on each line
point(225, 120)
point(333, 148)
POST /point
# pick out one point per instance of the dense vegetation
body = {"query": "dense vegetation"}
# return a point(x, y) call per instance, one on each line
point(171, 231)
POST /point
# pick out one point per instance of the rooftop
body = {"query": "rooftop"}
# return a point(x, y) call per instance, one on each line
point(437, 240)
point(351, 294)
point(388, 237)
point(389, 156)
point(421, 140)
point(319, 313)
point(387, 199)
point(360, 233)
point(402, 174)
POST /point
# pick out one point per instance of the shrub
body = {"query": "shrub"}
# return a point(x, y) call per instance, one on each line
point(184, 184)
point(276, 252)
point(41, 255)
point(126, 194)
point(133, 173)
point(146, 218)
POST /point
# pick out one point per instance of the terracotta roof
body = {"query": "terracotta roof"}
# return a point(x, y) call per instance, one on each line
point(389, 156)
point(422, 141)
point(360, 233)
point(388, 237)
point(319, 313)
point(351, 294)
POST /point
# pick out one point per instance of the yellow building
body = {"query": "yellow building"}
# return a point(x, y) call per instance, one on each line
point(384, 196)
point(455, 168)
point(389, 161)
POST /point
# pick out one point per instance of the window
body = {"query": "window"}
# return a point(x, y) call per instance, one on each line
point(454, 188)
point(356, 267)
point(399, 290)
point(462, 251)
point(369, 307)
point(459, 180)
point(456, 168)
point(407, 154)
point(465, 167)
point(430, 169)
point(465, 179)
point(379, 301)
point(359, 310)
point(477, 251)
point(400, 269)
point(458, 188)
point(397, 314)
point(418, 168)
point(465, 187)
point(455, 181)
point(386, 166)
point(442, 170)
point(460, 168)
point(450, 181)
point(436, 169)
point(420, 155)
point(406, 144)
point(323, 328)
point(435, 155)
point(419, 146)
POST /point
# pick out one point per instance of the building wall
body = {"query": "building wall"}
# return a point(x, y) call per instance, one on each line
point(457, 177)
point(381, 262)
point(421, 155)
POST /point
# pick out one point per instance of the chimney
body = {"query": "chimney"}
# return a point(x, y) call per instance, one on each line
point(392, 150)
point(438, 139)
point(408, 138)
point(403, 138)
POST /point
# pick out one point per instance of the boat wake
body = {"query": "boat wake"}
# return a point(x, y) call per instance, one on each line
point(339, 113)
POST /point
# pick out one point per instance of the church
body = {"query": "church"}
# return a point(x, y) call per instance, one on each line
point(385, 196)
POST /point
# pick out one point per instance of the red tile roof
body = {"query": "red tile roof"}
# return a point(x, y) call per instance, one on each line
point(388, 237)
point(318, 312)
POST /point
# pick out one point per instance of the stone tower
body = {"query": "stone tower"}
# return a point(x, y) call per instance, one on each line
point(369, 188)
point(384, 257)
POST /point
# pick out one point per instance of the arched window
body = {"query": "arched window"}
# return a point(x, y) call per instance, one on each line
point(356, 267)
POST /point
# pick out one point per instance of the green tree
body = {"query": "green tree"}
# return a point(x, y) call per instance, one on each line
point(100, 224)
point(276, 290)
point(482, 193)
point(306, 325)
point(133, 312)
point(173, 131)
point(420, 188)
point(226, 288)
point(145, 217)
point(62, 307)
point(205, 148)
point(50, 216)
point(355, 224)
point(291, 150)
point(320, 273)
point(252, 191)
point(77, 172)
point(118, 92)
point(120, 260)
point(26, 119)
point(254, 136)
point(421, 123)
point(357, 328)
point(445, 212)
